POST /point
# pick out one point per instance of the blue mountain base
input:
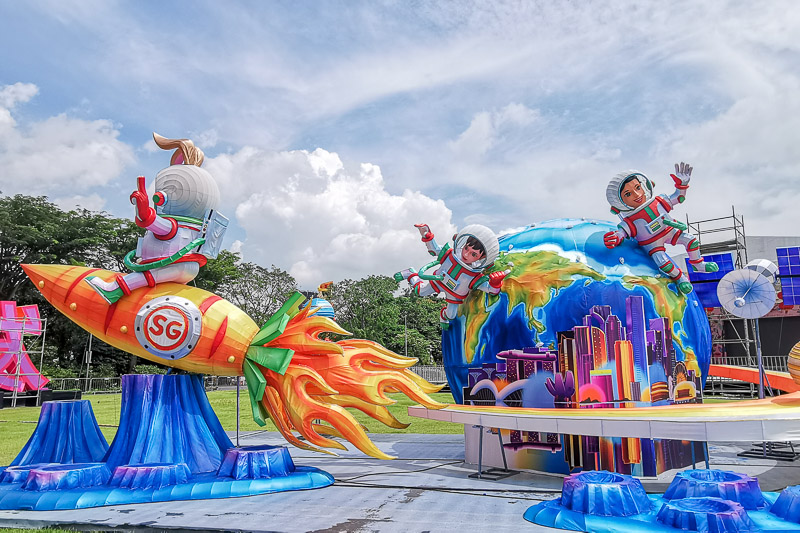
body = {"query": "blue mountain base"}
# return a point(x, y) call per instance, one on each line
point(169, 446)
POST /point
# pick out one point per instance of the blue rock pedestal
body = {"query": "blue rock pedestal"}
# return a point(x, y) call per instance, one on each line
point(706, 515)
point(152, 476)
point(787, 506)
point(18, 474)
point(256, 462)
point(604, 494)
point(63, 477)
point(722, 484)
point(67, 432)
point(167, 419)
point(169, 447)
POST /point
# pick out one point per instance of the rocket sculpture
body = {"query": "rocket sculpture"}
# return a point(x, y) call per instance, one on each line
point(293, 376)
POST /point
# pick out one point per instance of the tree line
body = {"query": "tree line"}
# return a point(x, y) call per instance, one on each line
point(35, 230)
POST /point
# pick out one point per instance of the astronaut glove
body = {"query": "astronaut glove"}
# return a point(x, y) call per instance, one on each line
point(496, 278)
point(612, 240)
point(145, 214)
point(683, 173)
point(424, 231)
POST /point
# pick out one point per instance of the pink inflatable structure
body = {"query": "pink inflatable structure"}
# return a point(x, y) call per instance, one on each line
point(15, 323)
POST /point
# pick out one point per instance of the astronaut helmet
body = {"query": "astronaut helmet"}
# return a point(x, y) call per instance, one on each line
point(615, 186)
point(468, 237)
point(184, 189)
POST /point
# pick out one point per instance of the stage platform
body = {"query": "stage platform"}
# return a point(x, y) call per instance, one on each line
point(426, 489)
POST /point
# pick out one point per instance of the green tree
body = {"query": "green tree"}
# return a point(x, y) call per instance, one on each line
point(421, 315)
point(220, 272)
point(258, 291)
point(368, 309)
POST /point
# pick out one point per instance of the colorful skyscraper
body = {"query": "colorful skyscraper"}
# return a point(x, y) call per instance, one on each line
point(634, 307)
point(625, 373)
point(599, 357)
point(614, 333)
point(603, 380)
point(583, 354)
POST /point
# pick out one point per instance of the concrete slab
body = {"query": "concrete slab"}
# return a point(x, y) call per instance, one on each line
point(426, 489)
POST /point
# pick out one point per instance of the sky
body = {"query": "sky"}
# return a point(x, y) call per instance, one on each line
point(332, 127)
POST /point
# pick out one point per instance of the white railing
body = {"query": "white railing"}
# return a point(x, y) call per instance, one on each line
point(98, 385)
point(771, 362)
point(86, 384)
point(432, 373)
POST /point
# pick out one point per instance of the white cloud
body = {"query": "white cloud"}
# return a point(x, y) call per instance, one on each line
point(19, 93)
point(58, 155)
point(317, 218)
point(92, 202)
point(488, 129)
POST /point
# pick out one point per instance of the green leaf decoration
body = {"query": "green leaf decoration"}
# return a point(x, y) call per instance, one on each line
point(276, 359)
point(256, 384)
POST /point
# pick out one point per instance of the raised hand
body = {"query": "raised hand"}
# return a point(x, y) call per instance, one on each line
point(145, 214)
point(683, 173)
point(424, 231)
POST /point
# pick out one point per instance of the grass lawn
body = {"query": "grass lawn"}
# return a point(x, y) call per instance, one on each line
point(17, 425)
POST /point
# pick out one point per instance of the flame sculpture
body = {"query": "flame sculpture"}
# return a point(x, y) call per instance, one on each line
point(293, 375)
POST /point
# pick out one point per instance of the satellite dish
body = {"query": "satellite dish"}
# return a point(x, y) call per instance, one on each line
point(750, 293)
point(746, 293)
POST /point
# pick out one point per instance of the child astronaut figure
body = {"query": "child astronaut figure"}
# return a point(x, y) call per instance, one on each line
point(646, 218)
point(183, 231)
point(460, 270)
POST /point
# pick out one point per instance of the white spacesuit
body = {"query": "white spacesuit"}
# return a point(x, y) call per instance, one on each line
point(183, 231)
point(461, 268)
point(646, 219)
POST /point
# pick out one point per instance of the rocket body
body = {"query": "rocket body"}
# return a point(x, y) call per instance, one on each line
point(172, 324)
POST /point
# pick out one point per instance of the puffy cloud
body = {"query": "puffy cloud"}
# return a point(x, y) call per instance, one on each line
point(92, 202)
point(11, 95)
point(58, 155)
point(320, 219)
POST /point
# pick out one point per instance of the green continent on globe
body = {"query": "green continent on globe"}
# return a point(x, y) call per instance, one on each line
point(535, 279)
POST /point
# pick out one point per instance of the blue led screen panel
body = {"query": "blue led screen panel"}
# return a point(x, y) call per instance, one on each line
point(789, 274)
point(723, 261)
point(705, 283)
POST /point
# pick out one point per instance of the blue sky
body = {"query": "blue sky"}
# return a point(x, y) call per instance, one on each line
point(332, 127)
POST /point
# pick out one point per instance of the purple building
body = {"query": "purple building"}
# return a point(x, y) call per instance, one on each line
point(634, 307)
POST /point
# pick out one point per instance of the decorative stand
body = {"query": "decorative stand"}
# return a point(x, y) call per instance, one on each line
point(169, 446)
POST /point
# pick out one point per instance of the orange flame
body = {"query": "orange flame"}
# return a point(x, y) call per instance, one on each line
point(324, 378)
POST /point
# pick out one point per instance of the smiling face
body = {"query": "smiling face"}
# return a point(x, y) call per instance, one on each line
point(469, 254)
point(633, 194)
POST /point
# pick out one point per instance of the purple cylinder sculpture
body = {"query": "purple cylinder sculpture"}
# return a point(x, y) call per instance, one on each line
point(150, 476)
point(603, 493)
point(721, 484)
point(256, 462)
point(61, 477)
point(710, 515)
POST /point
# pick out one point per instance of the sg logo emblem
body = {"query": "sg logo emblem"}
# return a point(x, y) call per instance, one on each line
point(168, 327)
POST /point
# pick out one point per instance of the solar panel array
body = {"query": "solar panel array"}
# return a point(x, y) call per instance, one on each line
point(789, 274)
point(705, 283)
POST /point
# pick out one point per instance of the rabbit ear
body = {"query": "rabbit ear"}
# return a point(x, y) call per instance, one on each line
point(185, 154)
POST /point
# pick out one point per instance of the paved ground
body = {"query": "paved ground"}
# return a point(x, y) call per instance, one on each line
point(426, 489)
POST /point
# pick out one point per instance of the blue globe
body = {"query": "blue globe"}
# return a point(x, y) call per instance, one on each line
point(564, 277)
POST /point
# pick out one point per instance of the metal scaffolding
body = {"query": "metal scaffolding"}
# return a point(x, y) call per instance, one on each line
point(718, 236)
point(723, 234)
